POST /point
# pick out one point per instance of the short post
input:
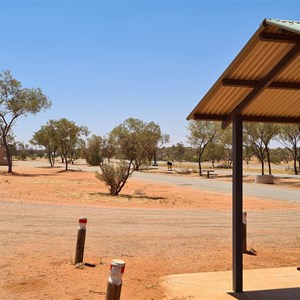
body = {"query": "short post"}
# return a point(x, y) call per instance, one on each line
point(244, 232)
point(114, 284)
point(80, 240)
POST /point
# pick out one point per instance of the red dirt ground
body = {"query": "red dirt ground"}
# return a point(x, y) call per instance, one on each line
point(49, 274)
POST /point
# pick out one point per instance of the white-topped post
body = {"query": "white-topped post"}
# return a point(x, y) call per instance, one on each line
point(80, 240)
point(114, 284)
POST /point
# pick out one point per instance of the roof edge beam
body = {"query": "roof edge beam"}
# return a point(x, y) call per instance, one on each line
point(208, 117)
point(253, 83)
point(279, 37)
point(290, 120)
point(261, 86)
point(260, 119)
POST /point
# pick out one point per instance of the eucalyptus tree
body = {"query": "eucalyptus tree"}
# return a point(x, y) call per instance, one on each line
point(97, 149)
point(214, 152)
point(224, 141)
point(201, 133)
point(289, 136)
point(47, 138)
point(16, 101)
point(258, 137)
point(136, 141)
point(68, 136)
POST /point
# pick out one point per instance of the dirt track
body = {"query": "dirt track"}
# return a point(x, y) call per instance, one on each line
point(39, 243)
point(39, 227)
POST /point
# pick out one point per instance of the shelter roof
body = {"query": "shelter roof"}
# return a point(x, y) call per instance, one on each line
point(262, 83)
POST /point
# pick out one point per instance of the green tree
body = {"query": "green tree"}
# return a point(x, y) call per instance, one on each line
point(177, 152)
point(224, 140)
point(15, 102)
point(68, 136)
point(258, 137)
point(248, 153)
point(47, 137)
point(213, 152)
point(21, 151)
point(98, 148)
point(279, 155)
point(289, 136)
point(201, 133)
point(136, 141)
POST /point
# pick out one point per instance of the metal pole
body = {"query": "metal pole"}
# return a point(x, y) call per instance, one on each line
point(237, 197)
point(245, 232)
point(114, 284)
point(80, 240)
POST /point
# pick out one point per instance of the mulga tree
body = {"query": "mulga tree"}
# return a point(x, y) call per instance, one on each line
point(289, 136)
point(97, 149)
point(224, 140)
point(15, 102)
point(47, 138)
point(136, 141)
point(201, 133)
point(115, 176)
point(258, 137)
point(68, 135)
point(213, 152)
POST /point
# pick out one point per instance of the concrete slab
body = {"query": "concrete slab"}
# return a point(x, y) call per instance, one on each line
point(262, 284)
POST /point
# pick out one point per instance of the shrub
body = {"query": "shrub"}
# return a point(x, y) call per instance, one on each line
point(115, 175)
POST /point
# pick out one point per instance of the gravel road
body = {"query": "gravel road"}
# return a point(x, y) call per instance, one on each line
point(252, 190)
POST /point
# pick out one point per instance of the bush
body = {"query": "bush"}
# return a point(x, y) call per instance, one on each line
point(115, 176)
point(224, 166)
point(184, 171)
point(93, 159)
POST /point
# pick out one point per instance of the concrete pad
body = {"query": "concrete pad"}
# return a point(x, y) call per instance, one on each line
point(261, 284)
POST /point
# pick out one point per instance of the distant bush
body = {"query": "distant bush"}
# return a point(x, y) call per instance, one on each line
point(184, 171)
point(224, 166)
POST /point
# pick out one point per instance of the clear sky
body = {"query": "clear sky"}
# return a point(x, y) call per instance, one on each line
point(101, 62)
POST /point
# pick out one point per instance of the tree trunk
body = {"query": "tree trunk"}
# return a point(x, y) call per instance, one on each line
point(66, 160)
point(295, 166)
point(269, 160)
point(50, 158)
point(53, 159)
point(262, 167)
point(8, 154)
point(199, 164)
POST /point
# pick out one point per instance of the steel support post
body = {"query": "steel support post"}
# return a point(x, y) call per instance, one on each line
point(237, 197)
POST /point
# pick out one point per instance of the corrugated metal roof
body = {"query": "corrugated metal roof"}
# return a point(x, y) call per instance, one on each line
point(263, 82)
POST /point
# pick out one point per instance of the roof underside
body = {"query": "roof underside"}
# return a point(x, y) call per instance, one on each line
point(263, 81)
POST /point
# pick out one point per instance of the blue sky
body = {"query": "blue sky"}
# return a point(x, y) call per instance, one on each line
point(101, 62)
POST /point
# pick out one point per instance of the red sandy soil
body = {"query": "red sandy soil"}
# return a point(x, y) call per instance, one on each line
point(50, 274)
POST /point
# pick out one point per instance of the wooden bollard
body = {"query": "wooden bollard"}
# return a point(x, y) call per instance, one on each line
point(80, 240)
point(245, 232)
point(114, 284)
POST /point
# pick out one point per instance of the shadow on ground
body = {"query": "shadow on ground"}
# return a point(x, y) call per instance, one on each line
point(130, 196)
point(275, 294)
